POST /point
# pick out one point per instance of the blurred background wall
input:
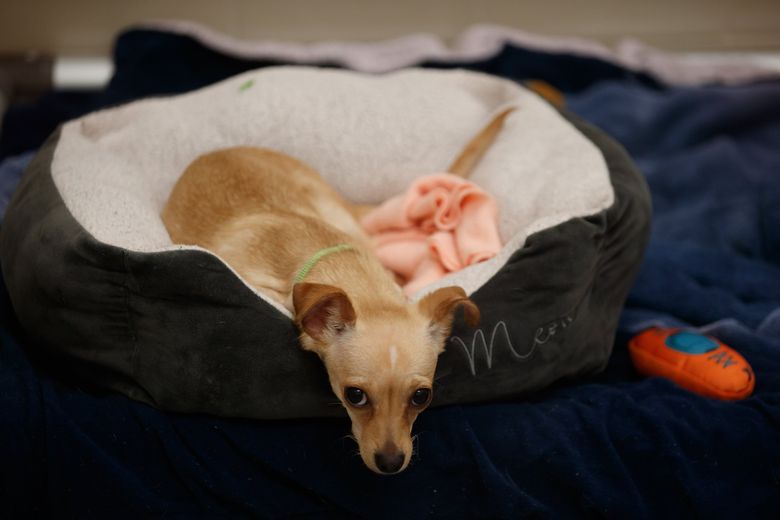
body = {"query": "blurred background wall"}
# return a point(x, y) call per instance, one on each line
point(87, 27)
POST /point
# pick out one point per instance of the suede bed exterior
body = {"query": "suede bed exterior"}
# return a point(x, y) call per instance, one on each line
point(559, 297)
point(178, 330)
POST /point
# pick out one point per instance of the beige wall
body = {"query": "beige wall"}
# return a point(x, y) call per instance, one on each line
point(88, 26)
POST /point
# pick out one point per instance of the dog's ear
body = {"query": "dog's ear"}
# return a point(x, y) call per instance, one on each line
point(440, 306)
point(321, 310)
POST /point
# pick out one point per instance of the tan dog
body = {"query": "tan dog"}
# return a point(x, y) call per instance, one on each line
point(293, 237)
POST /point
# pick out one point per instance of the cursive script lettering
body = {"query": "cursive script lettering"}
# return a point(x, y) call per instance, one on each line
point(542, 335)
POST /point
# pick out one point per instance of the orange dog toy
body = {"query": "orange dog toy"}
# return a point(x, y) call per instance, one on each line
point(698, 363)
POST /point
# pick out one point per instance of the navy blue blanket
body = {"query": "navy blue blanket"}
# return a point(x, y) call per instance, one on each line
point(615, 445)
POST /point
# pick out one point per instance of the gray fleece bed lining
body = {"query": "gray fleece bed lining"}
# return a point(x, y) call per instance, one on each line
point(368, 136)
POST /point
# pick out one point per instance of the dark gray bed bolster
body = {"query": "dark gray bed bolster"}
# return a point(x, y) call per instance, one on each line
point(551, 312)
point(179, 331)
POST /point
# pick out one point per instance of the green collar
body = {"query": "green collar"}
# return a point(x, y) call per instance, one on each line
point(316, 257)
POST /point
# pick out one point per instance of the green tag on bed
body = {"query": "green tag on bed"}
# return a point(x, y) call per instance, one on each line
point(245, 85)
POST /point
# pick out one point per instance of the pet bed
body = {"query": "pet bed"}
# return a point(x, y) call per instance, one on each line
point(92, 272)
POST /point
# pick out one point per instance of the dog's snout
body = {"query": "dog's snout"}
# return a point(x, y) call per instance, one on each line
point(389, 460)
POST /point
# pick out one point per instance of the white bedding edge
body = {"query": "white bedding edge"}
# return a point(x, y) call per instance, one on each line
point(481, 41)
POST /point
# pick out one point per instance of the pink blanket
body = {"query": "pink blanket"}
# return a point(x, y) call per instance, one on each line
point(440, 225)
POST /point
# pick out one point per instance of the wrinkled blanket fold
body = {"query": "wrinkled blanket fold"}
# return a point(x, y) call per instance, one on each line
point(440, 225)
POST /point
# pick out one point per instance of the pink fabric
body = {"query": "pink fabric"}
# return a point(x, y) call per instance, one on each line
point(440, 225)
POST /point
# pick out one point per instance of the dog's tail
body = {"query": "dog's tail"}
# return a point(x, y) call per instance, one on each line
point(468, 159)
point(465, 162)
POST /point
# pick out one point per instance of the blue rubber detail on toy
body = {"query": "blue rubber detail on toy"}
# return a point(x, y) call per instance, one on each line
point(690, 343)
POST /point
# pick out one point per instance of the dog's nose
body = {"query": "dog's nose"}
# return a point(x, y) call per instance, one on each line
point(389, 461)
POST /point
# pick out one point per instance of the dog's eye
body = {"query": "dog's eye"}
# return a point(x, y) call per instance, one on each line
point(421, 396)
point(355, 396)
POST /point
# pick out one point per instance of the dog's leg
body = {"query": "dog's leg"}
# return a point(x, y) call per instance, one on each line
point(359, 210)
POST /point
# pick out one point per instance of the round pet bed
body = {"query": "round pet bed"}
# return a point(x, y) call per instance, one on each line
point(92, 271)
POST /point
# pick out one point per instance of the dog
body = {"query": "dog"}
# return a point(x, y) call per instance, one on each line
point(291, 236)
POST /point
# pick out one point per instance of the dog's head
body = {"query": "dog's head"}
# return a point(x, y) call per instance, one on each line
point(380, 361)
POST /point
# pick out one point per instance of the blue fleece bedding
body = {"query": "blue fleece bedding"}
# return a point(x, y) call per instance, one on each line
point(615, 445)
